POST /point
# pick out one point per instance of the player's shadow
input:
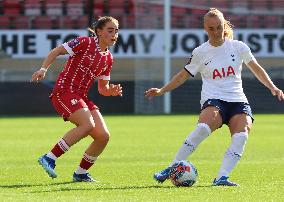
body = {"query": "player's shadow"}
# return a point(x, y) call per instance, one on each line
point(147, 187)
point(91, 188)
point(21, 185)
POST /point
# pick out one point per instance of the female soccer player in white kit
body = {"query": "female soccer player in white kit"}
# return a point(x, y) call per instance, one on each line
point(219, 61)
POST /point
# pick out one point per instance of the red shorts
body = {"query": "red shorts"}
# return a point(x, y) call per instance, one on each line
point(66, 103)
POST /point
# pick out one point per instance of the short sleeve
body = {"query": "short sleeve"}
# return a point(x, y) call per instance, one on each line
point(76, 45)
point(245, 53)
point(193, 64)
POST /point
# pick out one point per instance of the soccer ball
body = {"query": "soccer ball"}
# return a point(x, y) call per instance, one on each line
point(183, 174)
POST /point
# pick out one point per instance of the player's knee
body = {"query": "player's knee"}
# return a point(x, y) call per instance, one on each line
point(105, 137)
point(248, 128)
point(87, 128)
point(102, 136)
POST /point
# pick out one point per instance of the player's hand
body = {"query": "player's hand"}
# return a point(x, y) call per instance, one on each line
point(279, 93)
point(115, 90)
point(153, 92)
point(38, 75)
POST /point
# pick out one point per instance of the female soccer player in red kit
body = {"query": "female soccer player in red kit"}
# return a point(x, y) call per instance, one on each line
point(89, 59)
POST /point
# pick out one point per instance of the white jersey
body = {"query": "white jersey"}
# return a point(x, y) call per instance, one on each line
point(220, 68)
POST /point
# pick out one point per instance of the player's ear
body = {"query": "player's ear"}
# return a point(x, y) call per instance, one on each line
point(99, 32)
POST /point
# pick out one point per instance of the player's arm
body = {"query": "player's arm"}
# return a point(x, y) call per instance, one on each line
point(107, 89)
point(176, 81)
point(52, 55)
point(263, 77)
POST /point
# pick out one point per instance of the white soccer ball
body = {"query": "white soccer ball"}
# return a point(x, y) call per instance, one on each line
point(183, 174)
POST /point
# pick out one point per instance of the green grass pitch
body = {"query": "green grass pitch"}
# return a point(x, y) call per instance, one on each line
point(139, 146)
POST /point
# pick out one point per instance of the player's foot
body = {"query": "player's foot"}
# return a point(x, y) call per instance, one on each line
point(223, 181)
point(83, 177)
point(162, 175)
point(48, 165)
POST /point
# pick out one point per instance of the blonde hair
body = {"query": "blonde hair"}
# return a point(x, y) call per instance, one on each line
point(228, 27)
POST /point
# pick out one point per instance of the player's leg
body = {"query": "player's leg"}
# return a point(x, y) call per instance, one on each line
point(239, 125)
point(74, 109)
point(82, 118)
point(100, 134)
point(209, 120)
point(85, 123)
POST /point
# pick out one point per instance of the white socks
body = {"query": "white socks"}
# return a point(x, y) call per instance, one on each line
point(80, 171)
point(192, 141)
point(231, 157)
point(51, 155)
point(233, 154)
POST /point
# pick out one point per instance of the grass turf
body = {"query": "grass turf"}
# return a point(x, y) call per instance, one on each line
point(139, 146)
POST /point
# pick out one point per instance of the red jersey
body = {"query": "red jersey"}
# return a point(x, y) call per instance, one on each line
point(86, 63)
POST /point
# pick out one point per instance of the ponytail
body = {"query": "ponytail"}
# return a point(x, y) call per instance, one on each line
point(229, 33)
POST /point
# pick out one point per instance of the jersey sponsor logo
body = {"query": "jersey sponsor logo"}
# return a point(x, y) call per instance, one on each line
point(73, 43)
point(224, 72)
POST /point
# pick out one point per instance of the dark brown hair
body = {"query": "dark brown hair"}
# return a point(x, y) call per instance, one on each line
point(101, 22)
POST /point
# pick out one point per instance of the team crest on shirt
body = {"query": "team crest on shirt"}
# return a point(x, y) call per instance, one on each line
point(73, 43)
point(74, 102)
